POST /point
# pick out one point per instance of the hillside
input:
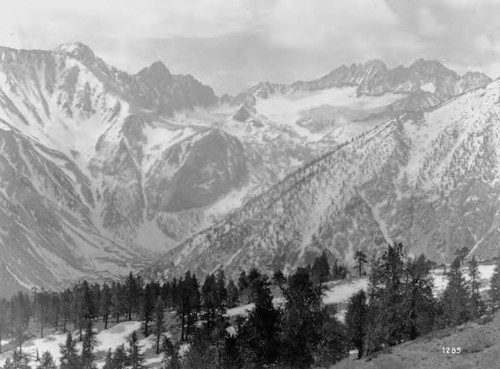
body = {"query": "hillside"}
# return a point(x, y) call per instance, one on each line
point(428, 179)
point(479, 344)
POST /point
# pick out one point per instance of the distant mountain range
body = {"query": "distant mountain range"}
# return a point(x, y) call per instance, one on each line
point(101, 170)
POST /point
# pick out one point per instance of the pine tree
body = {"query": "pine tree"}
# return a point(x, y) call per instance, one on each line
point(66, 307)
point(420, 306)
point(189, 303)
point(4, 319)
point(391, 296)
point(171, 359)
point(356, 321)
point(69, 354)
point(302, 318)
point(159, 322)
point(88, 304)
point(360, 257)
point(494, 290)
point(201, 354)
point(475, 299)
point(47, 361)
point(456, 296)
point(147, 309)
point(19, 361)
point(105, 304)
point(221, 293)
point(132, 292)
point(462, 254)
point(88, 345)
point(117, 301)
point(135, 356)
point(20, 314)
point(258, 333)
point(332, 345)
point(232, 294)
point(279, 278)
point(120, 358)
point(41, 306)
point(321, 269)
point(244, 284)
point(108, 361)
point(208, 296)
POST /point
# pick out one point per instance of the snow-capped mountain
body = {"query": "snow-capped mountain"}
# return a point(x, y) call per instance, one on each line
point(350, 100)
point(100, 168)
point(429, 179)
point(74, 137)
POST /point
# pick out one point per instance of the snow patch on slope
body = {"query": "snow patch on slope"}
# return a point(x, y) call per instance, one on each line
point(429, 87)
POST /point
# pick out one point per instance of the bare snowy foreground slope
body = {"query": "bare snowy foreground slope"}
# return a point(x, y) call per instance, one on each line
point(336, 293)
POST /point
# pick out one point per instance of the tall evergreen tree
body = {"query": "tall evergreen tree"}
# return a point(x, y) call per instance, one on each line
point(20, 314)
point(105, 304)
point(259, 332)
point(120, 358)
point(108, 361)
point(147, 307)
point(321, 269)
point(361, 259)
point(4, 319)
point(69, 354)
point(171, 358)
point(135, 356)
point(494, 290)
point(390, 297)
point(456, 296)
point(189, 303)
point(244, 285)
point(332, 346)
point(117, 301)
point(47, 361)
point(131, 295)
point(302, 319)
point(475, 299)
point(159, 322)
point(201, 354)
point(88, 345)
point(420, 306)
point(232, 294)
point(356, 321)
point(462, 254)
point(66, 307)
point(279, 278)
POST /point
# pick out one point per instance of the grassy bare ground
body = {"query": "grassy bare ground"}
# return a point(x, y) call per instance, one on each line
point(480, 344)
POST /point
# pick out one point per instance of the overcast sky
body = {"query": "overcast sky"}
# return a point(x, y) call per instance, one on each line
point(232, 44)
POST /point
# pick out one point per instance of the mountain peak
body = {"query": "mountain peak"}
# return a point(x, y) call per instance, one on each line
point(423, 64)
point(76, 49)
point(375, 63)
point(156, 71)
